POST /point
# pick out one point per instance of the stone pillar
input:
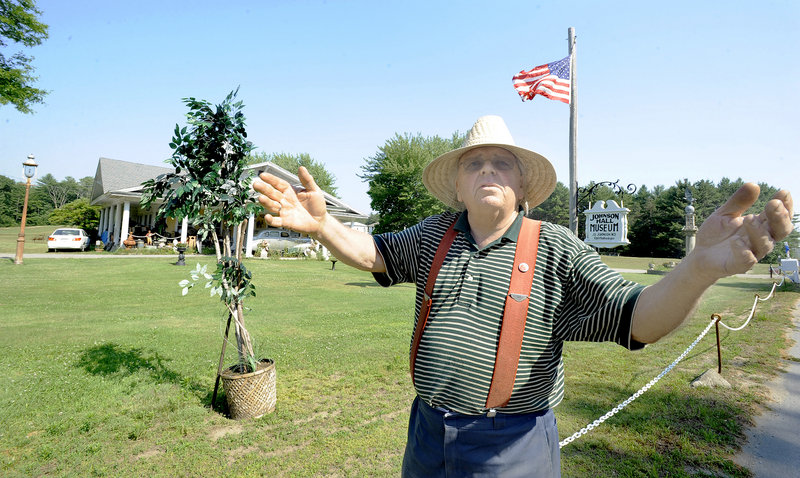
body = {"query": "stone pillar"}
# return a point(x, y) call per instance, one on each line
point(689, 229)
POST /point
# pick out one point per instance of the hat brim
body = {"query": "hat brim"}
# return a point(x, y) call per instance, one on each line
point(539, 176)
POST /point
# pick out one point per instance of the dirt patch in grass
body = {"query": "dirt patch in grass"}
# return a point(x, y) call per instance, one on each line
point(286, 450)
point(316, 416)
point(218, 432)
point(241, 451)
point(148, 454)
point(387, 417)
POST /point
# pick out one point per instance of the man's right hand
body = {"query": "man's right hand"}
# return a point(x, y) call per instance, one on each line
point(302, 209)
point(299, 208)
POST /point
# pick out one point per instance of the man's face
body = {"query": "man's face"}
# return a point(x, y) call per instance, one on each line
point(489, 177)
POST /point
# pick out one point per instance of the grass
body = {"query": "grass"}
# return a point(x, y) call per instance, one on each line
point(112, 373)
point(642, 263)
point(673, 429)
point(108, 371)
point(35, 238)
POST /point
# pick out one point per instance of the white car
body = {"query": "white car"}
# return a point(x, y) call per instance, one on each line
point(278, 239)
point(68, 238)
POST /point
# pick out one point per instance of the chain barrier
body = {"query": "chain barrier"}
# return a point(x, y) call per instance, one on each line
point(775, 285)
point(715, 319)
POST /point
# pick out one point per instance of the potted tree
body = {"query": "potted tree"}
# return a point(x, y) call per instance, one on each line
point(212, 186)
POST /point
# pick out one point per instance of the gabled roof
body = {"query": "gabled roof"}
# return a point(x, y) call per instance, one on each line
point(336, 206)
point(124, 179)
point(116, 175)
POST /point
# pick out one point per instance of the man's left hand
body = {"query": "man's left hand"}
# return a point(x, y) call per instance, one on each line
point(729, 243)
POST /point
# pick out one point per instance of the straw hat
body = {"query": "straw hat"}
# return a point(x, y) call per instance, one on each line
point(538, 175)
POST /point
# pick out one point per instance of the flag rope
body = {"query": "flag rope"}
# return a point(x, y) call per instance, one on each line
point(652, 382)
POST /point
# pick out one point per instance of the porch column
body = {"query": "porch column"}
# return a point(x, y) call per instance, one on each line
point(251, 224)
point(110, 223)
point(107, 223)
point(184, 229)
point(102, 219)
point(117, 224)
point(126, 217)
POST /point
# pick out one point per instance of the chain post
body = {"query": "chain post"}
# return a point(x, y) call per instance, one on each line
point(717, 318)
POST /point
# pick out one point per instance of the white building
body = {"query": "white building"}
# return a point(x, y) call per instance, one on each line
point(359, 226)
point(118, 190)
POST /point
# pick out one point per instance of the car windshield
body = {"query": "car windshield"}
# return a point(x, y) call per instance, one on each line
point(66, 232)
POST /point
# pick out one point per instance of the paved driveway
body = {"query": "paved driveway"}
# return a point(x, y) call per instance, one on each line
point(773, 444)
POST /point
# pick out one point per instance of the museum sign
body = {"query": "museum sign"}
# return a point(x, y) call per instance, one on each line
point(607, 224)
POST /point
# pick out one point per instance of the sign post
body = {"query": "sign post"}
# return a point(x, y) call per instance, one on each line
point(573, 134)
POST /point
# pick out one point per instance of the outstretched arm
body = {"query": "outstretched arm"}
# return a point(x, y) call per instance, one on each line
point(727, 243)
point(302, 209)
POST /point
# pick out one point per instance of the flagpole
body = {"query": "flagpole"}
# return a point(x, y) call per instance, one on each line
point(573, 135)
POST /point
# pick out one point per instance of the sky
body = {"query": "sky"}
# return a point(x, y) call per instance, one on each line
point(666, 90)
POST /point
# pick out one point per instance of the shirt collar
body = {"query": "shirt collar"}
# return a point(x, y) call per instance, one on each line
point(511, 234)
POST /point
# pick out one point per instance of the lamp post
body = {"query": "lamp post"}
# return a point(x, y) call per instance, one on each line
point(29, 169)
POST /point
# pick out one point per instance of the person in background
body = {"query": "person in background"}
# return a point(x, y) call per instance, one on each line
point(455, 427)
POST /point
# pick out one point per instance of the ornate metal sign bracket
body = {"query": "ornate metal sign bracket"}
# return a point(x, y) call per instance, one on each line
point(588, 192)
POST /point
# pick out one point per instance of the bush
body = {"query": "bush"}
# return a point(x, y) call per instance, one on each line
point(78, 213)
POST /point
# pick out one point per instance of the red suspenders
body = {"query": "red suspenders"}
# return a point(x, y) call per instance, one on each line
point(514, 315)
point(425, 310)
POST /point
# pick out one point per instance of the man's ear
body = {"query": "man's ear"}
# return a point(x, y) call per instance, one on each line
point(458, 194)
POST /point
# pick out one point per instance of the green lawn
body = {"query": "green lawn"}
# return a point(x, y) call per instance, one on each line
point(35, 238)
point(108, 371)
point(621, 262)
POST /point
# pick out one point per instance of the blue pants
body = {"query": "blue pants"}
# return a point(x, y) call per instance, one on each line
point(449, 444)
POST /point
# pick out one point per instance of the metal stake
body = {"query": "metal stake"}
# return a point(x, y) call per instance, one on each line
point(719, 349)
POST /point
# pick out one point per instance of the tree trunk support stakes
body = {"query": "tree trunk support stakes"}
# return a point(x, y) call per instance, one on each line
point(221, 359)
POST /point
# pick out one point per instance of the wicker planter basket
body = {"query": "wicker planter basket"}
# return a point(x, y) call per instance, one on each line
point(250, 395)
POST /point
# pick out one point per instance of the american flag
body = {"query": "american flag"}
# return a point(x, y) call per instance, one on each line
point(550, 80)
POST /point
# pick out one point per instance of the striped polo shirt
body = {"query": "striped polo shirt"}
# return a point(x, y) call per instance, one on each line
point(574, 296)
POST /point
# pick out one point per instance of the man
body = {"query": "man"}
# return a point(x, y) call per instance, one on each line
point(458, 427)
